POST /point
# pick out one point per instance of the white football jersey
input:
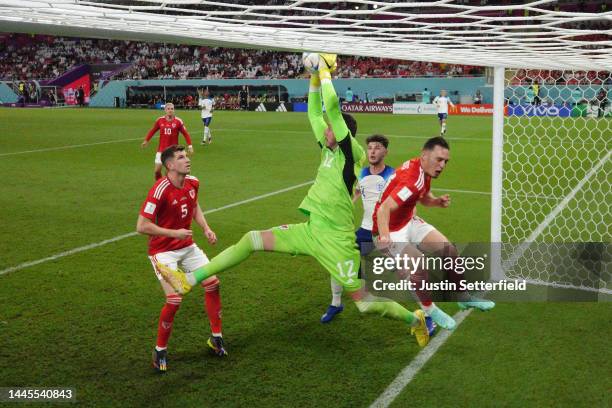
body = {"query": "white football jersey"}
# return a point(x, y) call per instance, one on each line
point(207, 107)
point(442, 103)
point(371, 186)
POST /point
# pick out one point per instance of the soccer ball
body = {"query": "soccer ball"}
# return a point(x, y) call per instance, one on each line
point(310, 61)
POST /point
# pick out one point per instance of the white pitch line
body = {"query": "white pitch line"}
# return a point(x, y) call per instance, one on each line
point(410, 371)
point(131, 234)
point(452, 190)
point(49, 149)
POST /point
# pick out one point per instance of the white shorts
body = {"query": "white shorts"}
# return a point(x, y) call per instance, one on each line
point(188, 259)
point(412, 233)
point(158, 158)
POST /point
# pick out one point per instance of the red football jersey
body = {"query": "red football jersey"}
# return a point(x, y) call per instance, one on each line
point(168, 132)
point(172, 208)
point(406, 187)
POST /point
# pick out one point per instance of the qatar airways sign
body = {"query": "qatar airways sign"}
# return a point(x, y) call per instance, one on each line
point(367, 108)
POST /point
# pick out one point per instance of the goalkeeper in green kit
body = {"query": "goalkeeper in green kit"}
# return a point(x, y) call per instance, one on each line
point(328, 234)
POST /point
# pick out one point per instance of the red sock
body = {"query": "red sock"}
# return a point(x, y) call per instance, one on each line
point(417, 280)
point(158, 175)
point(212, 298)
point(166, 318)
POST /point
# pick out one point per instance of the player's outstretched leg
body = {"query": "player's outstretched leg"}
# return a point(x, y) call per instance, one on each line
point(336, 306)
point(476, 303)
point(232, 256)
point(442, 319)
point(367, 303)
point(431, 310)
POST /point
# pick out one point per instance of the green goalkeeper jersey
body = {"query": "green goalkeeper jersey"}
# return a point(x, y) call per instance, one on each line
point(330, 195)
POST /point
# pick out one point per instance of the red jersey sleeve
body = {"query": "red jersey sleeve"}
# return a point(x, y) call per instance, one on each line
point(402, 193)
point(183, 129)
point(153, 130)
point(151, 206)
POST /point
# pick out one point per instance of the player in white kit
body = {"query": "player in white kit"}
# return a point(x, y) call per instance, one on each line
point(206, 102)
point(442, 103)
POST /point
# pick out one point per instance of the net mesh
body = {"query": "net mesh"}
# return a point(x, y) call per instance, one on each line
point(535, 34)
point(557, 178)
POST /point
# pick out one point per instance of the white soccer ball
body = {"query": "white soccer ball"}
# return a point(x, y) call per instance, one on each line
point(310, 61)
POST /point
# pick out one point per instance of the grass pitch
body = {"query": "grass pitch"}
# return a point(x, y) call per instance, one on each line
point(88, 320)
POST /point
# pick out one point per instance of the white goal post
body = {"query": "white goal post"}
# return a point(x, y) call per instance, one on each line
point(550, 118)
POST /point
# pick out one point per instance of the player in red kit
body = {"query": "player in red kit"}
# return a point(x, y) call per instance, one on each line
point(169, 127)
point(166, 216)
point(399, 231)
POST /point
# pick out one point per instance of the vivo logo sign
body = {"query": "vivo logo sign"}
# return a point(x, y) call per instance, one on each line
point(542, 110)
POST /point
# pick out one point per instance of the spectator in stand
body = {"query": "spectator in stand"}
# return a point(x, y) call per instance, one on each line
point(51, 97)
point(602, 101)
point(243, 96)
point(577, 96)
point(46, 57)
point(478, 97)
point(348, 95)
point(530, 95)
point(536, 93)
point(426, 96)
point(80, 96)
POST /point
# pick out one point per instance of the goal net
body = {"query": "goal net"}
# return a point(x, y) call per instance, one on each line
point(557, 174)
point(532, 34)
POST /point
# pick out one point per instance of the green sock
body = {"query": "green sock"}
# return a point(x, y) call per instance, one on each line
point(232, 256)
point(385, 307)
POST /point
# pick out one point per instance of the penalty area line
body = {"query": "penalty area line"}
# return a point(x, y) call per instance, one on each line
point(50, 149)
point(132, 234)
point(411, 370)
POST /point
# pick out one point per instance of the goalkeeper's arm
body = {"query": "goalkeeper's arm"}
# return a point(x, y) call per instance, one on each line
point(332, 105)
point(315, 111)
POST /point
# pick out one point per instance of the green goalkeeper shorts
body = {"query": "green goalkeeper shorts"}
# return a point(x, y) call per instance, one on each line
point(335, 250)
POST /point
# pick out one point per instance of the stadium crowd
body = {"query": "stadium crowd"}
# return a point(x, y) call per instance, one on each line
point(24, 57)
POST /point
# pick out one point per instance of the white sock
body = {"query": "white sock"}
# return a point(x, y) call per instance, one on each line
point(217, 335)
point(160, 348)
point(191, 278)
point(336, 293)
point(428, 309)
